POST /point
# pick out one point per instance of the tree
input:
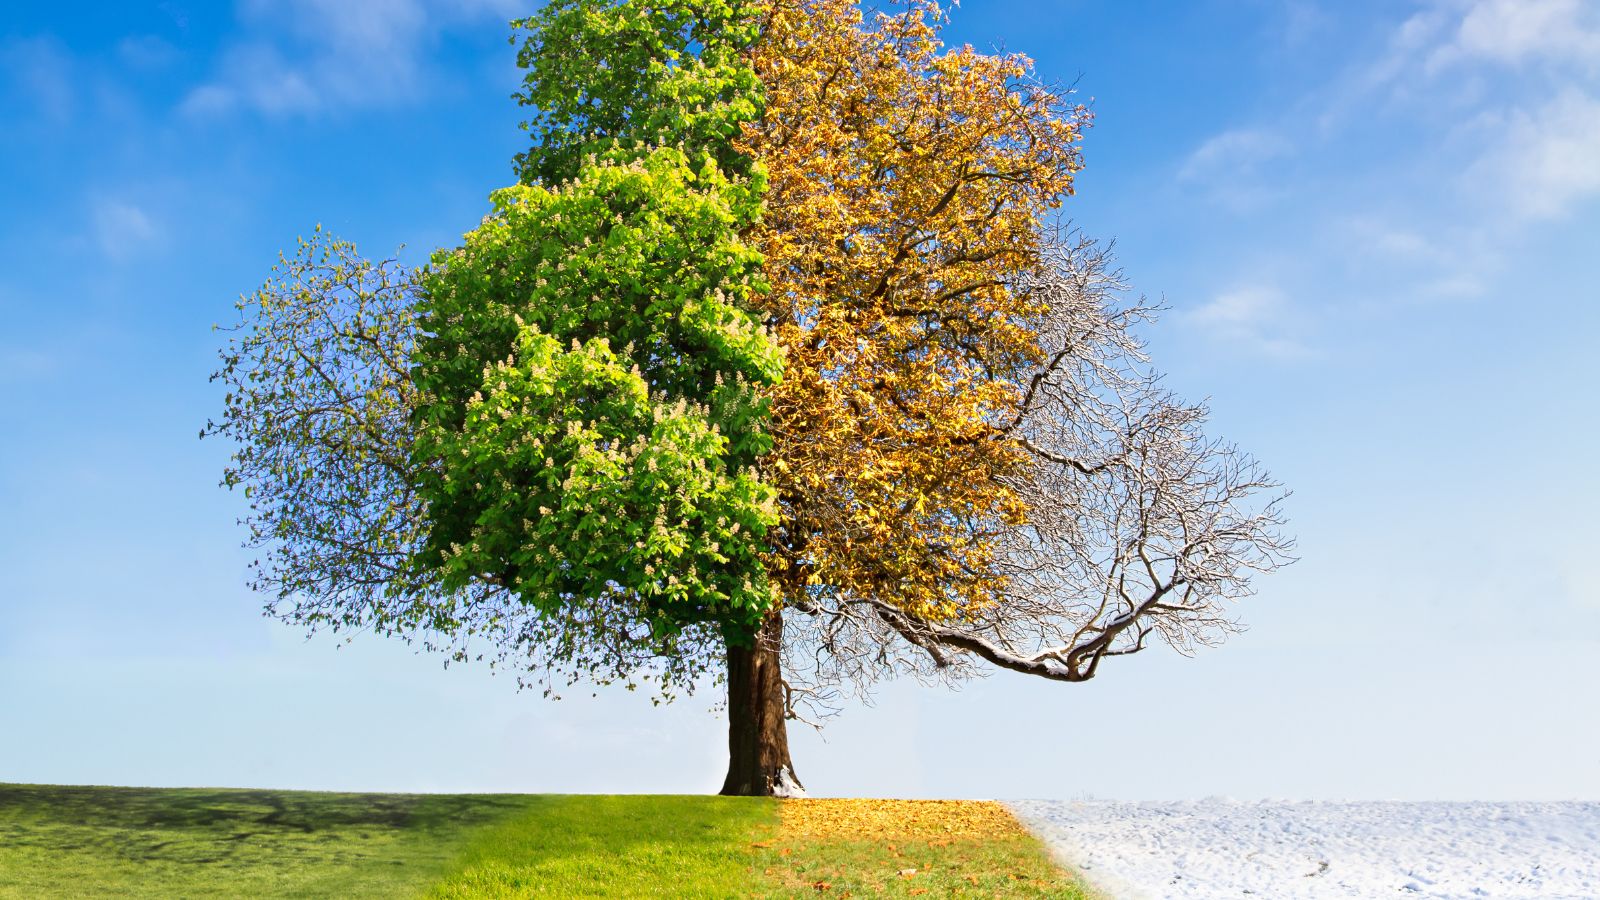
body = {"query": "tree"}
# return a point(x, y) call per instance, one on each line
point(575, 439)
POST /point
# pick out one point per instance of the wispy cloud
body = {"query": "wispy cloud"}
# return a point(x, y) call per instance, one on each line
point(1522, 79)
point(1256, 318)
point(1519, 31)
point(1229, 166)
point(304, 56)
point(1543, 160)
point(1410, 176)
point(258, 77)
point(1232, 152)
point(122, 229)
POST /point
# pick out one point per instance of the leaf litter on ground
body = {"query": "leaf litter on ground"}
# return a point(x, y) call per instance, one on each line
point(905, 848)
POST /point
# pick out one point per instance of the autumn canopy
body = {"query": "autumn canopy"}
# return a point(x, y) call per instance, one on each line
point(776, 366)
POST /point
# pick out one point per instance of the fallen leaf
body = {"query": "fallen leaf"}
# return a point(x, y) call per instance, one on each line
point(822, 885)
point(915, 891)
point(971, 878)
point(907, 873)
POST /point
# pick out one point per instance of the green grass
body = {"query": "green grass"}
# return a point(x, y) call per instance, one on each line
point(103, 842)
point(615, 847)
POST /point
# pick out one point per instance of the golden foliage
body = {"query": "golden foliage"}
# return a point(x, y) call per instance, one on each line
point(908, 183)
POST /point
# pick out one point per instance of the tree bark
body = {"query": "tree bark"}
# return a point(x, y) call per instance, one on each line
point(758, 741)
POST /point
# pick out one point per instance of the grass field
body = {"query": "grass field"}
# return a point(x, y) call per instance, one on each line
point(104, 842)
point(622, 847)
point(93, 842)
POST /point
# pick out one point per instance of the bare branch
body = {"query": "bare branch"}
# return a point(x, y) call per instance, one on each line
point(1138, 524)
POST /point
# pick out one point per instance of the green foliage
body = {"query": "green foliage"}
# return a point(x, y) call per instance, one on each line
point(608, 75)
point(546, 443)
point(318, 404)
point(588, 367)
point(617, 848)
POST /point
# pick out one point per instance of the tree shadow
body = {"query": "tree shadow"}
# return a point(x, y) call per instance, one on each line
point(207, 825)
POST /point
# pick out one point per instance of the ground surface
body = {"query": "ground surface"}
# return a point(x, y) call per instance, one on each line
point(1314, 850)
point(140, 844)
point(907, 848)
point(72, 842)
point(618, 848)
point(135, 843)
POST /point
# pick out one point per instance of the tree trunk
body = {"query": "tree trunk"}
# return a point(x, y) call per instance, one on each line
point(758, 742)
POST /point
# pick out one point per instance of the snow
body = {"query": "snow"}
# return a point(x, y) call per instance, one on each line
point(788, 786)
point(1286, 850)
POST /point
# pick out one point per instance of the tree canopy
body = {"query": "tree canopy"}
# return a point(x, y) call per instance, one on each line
point(779, 317)
point(910, 187)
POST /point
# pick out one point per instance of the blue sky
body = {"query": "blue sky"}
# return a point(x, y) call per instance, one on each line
point(1375, 225)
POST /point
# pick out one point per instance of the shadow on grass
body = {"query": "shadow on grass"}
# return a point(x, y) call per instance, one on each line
point(58, 843)
point(196, 842)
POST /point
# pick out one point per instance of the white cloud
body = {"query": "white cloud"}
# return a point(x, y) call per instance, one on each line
point(1234, 152)
point(1415, 167)
point(260, 79)
point(1545, 160)
point(209, 99)
point(1518, 31)
point(1229, 167)
point(1442, 263)
point(1254, 317)
point(1242, 310)
point(1510, 88)
point(122, 229)
point(311, 55)
point(1406, 245)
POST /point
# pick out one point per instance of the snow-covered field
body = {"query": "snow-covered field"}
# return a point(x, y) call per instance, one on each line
point(1282, 850)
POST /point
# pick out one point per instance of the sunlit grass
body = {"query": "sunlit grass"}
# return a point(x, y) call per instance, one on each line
point(615, 847)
